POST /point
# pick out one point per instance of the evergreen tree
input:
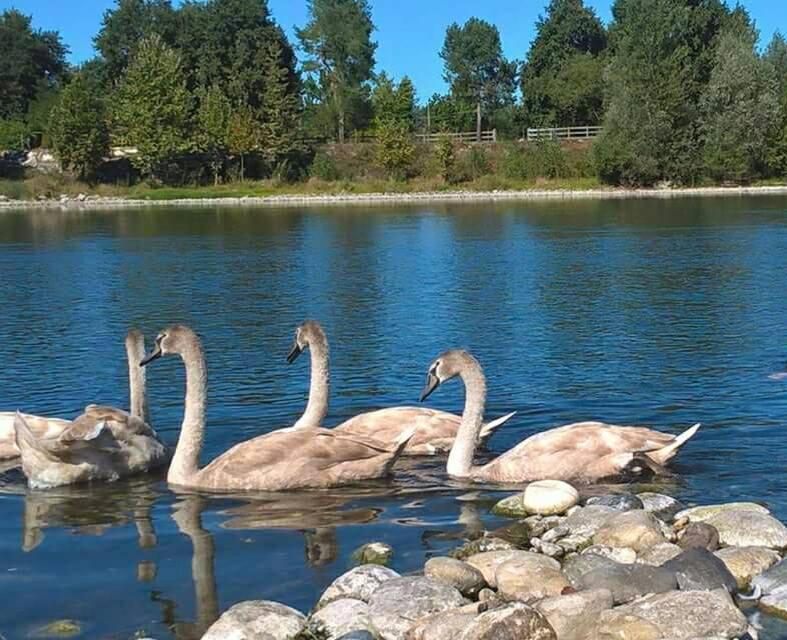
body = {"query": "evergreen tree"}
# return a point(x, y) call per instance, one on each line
point(776, 57)
point(740, 110)
point(80, 137)
point(280, 111)
point(337, 41)
point(475, 67)
point(151, 107)
point(393, 102)
point(562, 78)
point(212, 134)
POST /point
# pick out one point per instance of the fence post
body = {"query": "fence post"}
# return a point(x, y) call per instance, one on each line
point(494, 135)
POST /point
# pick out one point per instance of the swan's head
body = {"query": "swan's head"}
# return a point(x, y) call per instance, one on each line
point(447, 365)
point(174, 339)
point(306, 334)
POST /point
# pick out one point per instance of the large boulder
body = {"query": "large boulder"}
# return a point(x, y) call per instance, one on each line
point(515, 621)
point(749, 528)
point(529, 578)
point(397, 604)
point(698, 569)
point(700, 514)
point(256, 619)
point(638, 530)
point(775, 603)
point(358, 583)
point(675, 615)
point(341, 617)
point(628, 581)
point(773, 579)
point(549, 497)
point(462, 576)
point(747, 562)
point(576, 567)
point(446, 625)
point(658, 555)
point(699, 534)
point(488, 562)
point(572, 616)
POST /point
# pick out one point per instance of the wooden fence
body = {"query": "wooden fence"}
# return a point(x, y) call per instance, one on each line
point(467, 136)
point(563, 133)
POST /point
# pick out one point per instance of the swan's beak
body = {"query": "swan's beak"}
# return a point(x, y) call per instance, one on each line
point(432, 383)
point(153, 355)
point(296, 350)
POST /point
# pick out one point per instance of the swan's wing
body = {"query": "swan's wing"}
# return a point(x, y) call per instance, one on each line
point(122, 424)
point(40, 426)
point(388, 425)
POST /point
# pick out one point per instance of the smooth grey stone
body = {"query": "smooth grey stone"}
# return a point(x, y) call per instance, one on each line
point(699, 570)
point(257, 619)
point(481, 545)
point(662, 506)
point(357, 635)
point(577, 566)
point(772, 579)
point(618, 502)
point(627, 582)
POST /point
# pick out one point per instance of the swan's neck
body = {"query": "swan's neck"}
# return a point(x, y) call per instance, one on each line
point(185, 462)
point(460, 460)
point(317, 406)
point(138, 402)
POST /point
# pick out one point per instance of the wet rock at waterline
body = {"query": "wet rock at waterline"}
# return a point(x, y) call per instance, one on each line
point(515, 621)
point(358, 635)
point(675, 615)
point(462, 576)
point(618, 502)
point(585, 521)
point(531, 577)
point(257, 619)
point(398, 603)
point(659, 554)
point(372, 553)
point(510, 507)
point(627, 582)
point(748, 528)
point(572, 616)
point(702, 513)
point(358, 583)
point(341, 617)
point(638, 530)
point(699, 535)
point(662, 506)
point(775, 603)
point(482, 545)
point(772, 579)
point(549, 497)
point(698, 569)
point(747, 562)
point(58, 629)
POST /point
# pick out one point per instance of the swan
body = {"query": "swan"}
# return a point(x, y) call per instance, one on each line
point(48, 428)
point(435, 430)
point(104, 443)
point(582, 452)
point(284, 459)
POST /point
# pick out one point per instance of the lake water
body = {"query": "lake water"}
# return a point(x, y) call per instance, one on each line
point(659, 312)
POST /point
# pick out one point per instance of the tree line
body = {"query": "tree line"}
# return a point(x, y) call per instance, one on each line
point(212, 90)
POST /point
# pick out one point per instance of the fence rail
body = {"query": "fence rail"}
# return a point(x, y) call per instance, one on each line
point(563, 133)
point(465, 136)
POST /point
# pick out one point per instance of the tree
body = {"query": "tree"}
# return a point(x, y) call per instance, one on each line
point(244, 134)
point(151, 107)
point(776, 57)
point(127, 25)
point(340, 57)
point(562, 78)
point(80, 137)
point(663, 54)
point(395, 148)
point(475, 68)
point(446, 158)
point(212, 134)
point(30, 61)
point(450, 113)
point(280, 110)
point(393, 102)
point(740, 110)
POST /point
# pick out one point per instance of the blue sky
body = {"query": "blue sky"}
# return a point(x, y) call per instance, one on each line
point(409, 32)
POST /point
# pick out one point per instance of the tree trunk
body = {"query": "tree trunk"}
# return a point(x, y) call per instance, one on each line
point(241, 168)
point(341, 125)
point(478, 122)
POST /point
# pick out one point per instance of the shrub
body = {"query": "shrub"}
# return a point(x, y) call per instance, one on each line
point(395, 149)
point(14, 135)
point(324, 167)
point(446, 159)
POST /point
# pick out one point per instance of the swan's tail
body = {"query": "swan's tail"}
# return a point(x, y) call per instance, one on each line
point(489, 428)
point(54, 448)
point(665, 454)
point(399, 446)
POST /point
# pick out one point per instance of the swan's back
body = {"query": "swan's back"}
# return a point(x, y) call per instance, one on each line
point(42, 427)
point(299, 458)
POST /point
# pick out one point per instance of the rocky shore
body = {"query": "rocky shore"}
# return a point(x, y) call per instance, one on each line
point(612, 567)
point(99, 202)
